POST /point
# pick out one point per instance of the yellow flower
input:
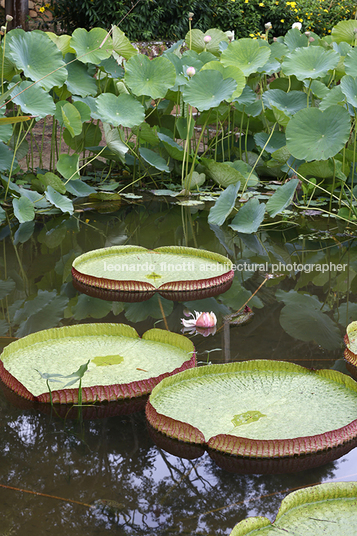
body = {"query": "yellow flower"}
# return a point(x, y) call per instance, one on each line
point(301, 20)
point(282, 20)
point(42, 9)
point(251, 35)
point(261, 4)
point(47, 5)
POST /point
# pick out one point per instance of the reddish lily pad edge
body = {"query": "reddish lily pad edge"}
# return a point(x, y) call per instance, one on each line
point(97, 393)
point(296, 499)
point(171, 290)
point(253, 448)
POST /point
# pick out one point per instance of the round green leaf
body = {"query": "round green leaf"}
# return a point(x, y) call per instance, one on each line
point(351, 62)
point(228, 72)
point(79, 81)
point(68, 166)
point(61, 42)
point(123, 110)
point(122, 45)
point(195, 38)
point(39, 58)
point(349, 89)
point(93, 46)
point(207, 89)
point(295, 39)
point(6, 157)
point(23, 209)
point(58, 200)
point(345, 30)
point(224, 205)
point(316, 135)
point(246, 54)
point(153, 159)
point(249, 217)
point(33, 100)
point(71, 119)
point(310, 62)
point(281, 198)
point(150, 77)
point(289, 103)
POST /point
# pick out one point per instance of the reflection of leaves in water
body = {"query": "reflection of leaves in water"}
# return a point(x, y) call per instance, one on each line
point(302, 319)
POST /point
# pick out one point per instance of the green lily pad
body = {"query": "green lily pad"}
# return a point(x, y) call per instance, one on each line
point(313, 134)
point(149, 77)
point(224, 205)
point(195, 38)
point(207, 89)
point(121, 364)
point(122, 45)
point(33, 100)
point(310, 62)
point(203, 406)
point(133, 273)
point(153, 159)
point(249, 217)
point(324, 510)
point(345, 31)
point(39, 58)
point(295, 39)
point(122, 110)
point(281, 198)
point(348, 85)
point(23, 209)
point(79, 81)
point(228, 72)
point(351, 62)
point(58, 200)
point(93, 46)
point(68, 166)
point(289, 103)
point(246, 54)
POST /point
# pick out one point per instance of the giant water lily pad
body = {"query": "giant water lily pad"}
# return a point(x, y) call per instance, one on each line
point(133, 273)
point(253, 409)
point(121, 364)
point(324, 510)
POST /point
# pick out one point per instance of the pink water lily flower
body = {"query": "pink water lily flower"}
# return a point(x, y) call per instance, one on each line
point(200, 320)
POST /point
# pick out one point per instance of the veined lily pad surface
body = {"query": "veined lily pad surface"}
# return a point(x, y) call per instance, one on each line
point(325, 510)
point(259, 409)
point(121, 364)
point(133, 273)
point(351, 348)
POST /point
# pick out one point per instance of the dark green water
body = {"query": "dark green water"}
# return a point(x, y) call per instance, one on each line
point(300, 316)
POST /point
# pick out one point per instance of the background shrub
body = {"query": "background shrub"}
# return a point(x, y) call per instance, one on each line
point(168, 19)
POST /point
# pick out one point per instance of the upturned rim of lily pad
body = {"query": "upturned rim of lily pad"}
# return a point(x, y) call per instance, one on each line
point(302, 507)
point(235, 445)
point(77, 343)
point(92, 282)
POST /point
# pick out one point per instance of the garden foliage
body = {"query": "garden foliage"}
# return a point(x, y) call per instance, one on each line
point(167, 19)
point(208, 110)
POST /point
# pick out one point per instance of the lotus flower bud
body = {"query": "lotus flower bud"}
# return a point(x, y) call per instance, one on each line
point(311, 39)
point(355, 30)
point(9, 18)
point(190, 16)
point(268, 26)
point(200, 320)
point(207, 38)
point(230, 35)
point(190, 71)
point(3, 28)
point(297, 25)
point(307, 34)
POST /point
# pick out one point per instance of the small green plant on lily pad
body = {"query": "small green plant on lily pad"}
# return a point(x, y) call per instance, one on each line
point(120, 364)
point(253, 409)
point(133, 273)
point(324, 510)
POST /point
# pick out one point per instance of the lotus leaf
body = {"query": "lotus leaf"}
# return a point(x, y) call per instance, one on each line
point(33, 100)
point(224, 205)
point(249, 217)
point(344, 31)
point(310, 62)
point(79, 81)
point(207, 89)
point(313, 134)
point(228, 72)
point(122, 110)
point(93, 46)
point(195, 38)
point(150, 77)
point(351, 62)
point(135, 271)
point(246, 54)
point(289, 103)
point(254, 408)
point(348, 86)
point(325, 510)
point(39, 58)
point(121, 364)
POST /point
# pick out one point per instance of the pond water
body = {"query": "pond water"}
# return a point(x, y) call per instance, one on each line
point(112, 462)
